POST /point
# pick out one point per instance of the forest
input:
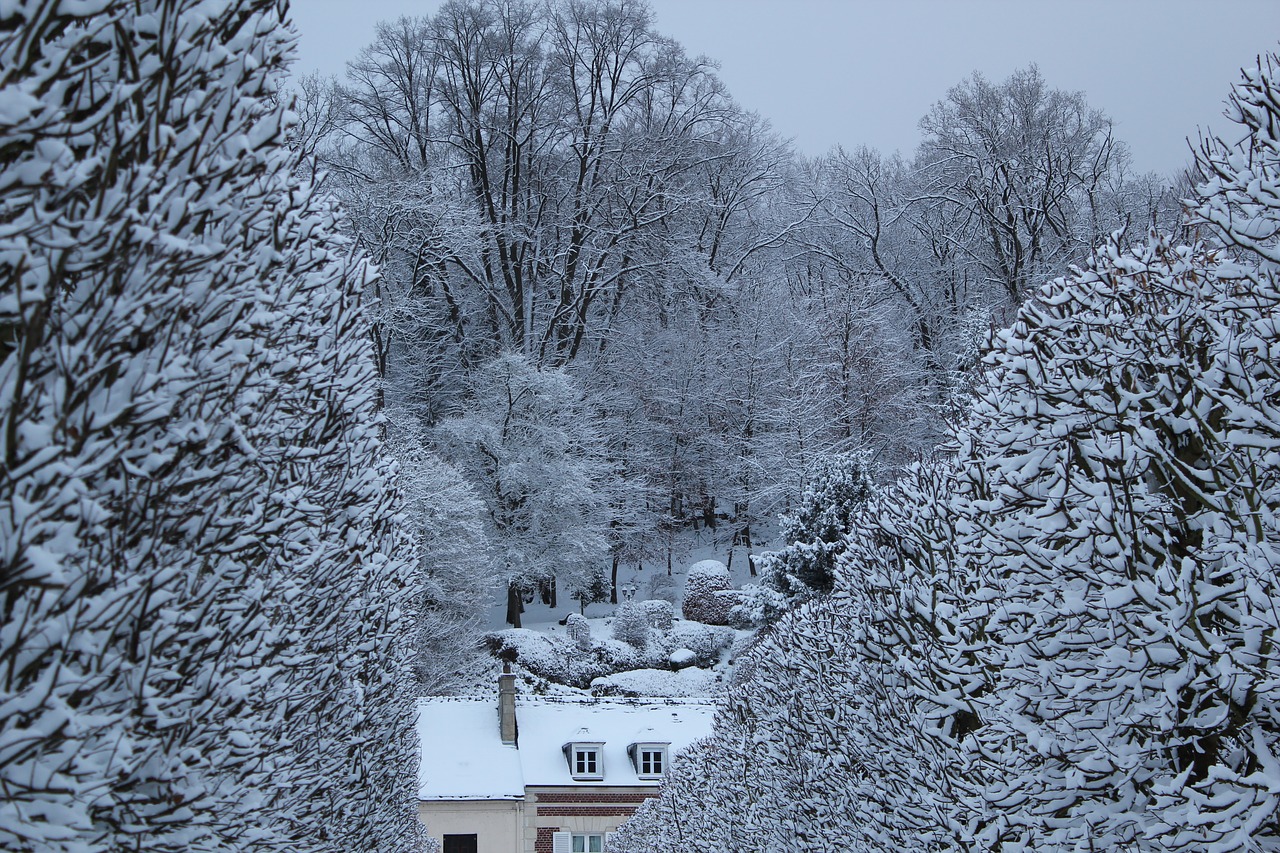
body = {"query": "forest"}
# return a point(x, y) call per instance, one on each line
point(302, 377)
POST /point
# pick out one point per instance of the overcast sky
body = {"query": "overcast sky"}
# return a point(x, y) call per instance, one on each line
point(863, 72)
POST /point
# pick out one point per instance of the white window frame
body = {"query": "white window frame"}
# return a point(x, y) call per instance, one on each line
point(562, 840)
point(575, 751)
point(637, 752)
point(585, 837)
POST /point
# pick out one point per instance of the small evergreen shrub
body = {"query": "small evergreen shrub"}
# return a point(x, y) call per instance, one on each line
point(659, 614)
point(630, 625)
point(579, 630)
point(701, 602)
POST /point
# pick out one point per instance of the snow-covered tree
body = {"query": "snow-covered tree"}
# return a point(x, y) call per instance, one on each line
point(820, 749)
point(203, 603)
point(691, 810)
point(1128, 441)
point(1015, 170)
point(458, 570)
point(1061, 635)
point(530, 449)
point(1125, 447)
point(815, 530)
point(1240, 199)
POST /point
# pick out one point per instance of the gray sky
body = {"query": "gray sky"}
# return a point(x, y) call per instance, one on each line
point(863, 72)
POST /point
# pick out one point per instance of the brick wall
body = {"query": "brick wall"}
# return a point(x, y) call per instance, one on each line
point(589, 797)
point(615, 804)
point(586, 811)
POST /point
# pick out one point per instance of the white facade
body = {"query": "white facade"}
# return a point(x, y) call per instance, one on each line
point(499, 825)
point(578, 767)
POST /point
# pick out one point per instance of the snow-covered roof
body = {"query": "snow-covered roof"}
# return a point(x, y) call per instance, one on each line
point(462, 753)
point(463, 757)
point(545, 725)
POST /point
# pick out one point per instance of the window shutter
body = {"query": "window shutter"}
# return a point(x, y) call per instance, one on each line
point(562, 842)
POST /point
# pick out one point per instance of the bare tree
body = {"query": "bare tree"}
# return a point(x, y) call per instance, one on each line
point(1017, 163)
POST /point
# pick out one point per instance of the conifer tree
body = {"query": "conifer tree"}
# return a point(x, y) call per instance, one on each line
point(815, 530)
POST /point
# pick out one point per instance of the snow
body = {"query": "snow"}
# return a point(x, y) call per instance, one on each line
point(683, 657)
point(709, 567)
point(660, 682)
point(463, 756)
point(546, 725)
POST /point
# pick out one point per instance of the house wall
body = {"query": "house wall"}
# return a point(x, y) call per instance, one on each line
point(498, 824)
point(579, 808)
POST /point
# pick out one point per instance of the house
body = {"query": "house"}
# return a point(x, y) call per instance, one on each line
point(544, 774)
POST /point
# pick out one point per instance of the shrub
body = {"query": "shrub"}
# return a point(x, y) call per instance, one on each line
point(705, 641)
point(659, 614)
point(701, 602)
point(758, 605)
point(579, 630)
point(630, 625)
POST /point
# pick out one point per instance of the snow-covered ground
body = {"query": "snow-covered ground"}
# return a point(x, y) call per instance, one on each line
point(689, 660)
point(692, 547)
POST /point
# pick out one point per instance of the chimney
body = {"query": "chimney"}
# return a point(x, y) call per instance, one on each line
point(507, 705)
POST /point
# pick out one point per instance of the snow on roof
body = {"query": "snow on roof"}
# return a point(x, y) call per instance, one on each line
point(545, 725)
point(463, 757)
point(462, 753)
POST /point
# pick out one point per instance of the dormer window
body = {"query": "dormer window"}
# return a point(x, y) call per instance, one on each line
point(649, 759)
point(586, 760)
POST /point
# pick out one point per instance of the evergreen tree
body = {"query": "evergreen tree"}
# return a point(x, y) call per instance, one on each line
point(815, 535)
point(202, 599)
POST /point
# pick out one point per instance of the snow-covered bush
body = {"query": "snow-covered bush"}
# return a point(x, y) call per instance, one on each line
point(690, 798)
point(204, 598)
point(1134, 555)
point(630, 625)
point(555, 658)
point(778, 774)
point(578, 629)
point(682, 658)
point(758, 605)
point(734, 604)
point(561, 660)
point(659, 614)
point(701, 603)
point(658, 682)
point(707, 642)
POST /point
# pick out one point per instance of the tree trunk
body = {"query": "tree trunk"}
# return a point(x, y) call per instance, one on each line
point(613, 582)
point(514, 605)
